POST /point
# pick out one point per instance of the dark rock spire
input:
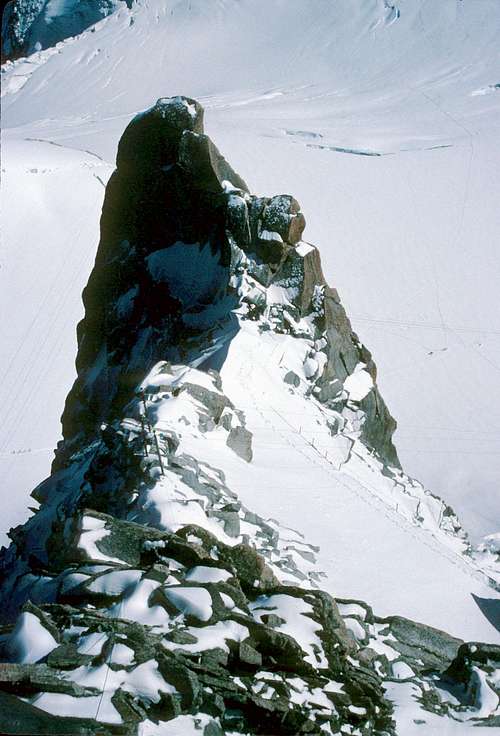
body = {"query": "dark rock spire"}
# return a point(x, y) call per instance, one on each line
point(174, 219)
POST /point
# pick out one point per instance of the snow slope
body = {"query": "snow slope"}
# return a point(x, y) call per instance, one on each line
point(336, 497)
point(408, 236)
point(48, 246)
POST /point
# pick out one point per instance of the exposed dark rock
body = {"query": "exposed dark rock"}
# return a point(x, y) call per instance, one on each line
point(26, 679)
point(473, 654)
point(182, 678)
point(270, 619)
point(214, 402)
point(292, 378)
point(165, 225)
point(330, 391)
point(124, 539)
point(417, 643)
point(204, 162)
point(67, 657)
point(251, 569)
point(18, 718)
point(230, 519)
point(175, 217)
point(240, 440)
point(248, 655)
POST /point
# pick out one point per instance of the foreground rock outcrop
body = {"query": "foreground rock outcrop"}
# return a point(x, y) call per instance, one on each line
point(143, 595)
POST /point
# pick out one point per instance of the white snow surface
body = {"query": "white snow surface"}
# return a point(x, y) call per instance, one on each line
point(93, 530)
point(29, 641)
point(179, 726)
point(195, 602)
point(203, 574)
point(358, 384)
point(297, 624)
point(145, 680)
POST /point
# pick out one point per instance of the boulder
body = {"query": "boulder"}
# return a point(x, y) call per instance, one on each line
point(26, 679)
point(292, 378)
point(473, 655)
point(423, 647)
point(282, 215)
point(67, 657)
point(253, 573)
point(329, 391)
point(248, 655)
point(239, 440)
point(237, 219)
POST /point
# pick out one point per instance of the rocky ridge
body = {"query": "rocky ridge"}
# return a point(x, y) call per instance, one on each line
point(143, 596)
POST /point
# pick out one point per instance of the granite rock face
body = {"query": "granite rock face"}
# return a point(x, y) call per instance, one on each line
point(160, 285)
point(178, 228)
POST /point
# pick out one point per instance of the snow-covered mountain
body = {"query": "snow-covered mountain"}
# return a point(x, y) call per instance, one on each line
point(261, 411)
point(151, 593)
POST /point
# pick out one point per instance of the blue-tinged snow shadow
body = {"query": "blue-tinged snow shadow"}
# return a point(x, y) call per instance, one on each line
point(490, 608)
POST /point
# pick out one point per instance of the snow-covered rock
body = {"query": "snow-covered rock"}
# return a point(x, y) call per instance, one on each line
point(144, 590)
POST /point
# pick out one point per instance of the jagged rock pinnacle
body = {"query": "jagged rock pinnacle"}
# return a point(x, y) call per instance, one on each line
point(174, 218)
